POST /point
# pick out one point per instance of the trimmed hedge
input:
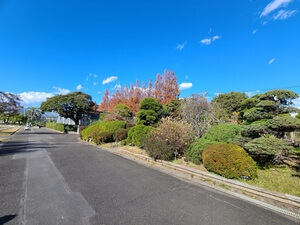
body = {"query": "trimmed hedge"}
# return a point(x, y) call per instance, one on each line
point(105, 126)
point(219, 133)
point(229, 160)
point(138, 134)
point(55, 126)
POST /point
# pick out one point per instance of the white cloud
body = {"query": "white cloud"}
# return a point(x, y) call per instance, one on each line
point(95, 83)
point(284, 14)
point(208, 41)
point(254, 31)
point(216, 37)
point(61, 91)
point(297, 102)
point(181, 46)
point(275, 4)
point(210, 30)
point(33, 97)
point(78, 87)
point(185, 85)
point(271, 61)
point(109, 80)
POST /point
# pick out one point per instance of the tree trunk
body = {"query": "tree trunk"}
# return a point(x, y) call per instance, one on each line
point(78, 126)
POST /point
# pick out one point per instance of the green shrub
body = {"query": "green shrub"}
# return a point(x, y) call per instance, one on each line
point(150, 111)
point(105, 126)
point(169, 137)
point(194, 151)
point(267, 150)
point(121, 134)
point(255, 130)
point(298, 116)
point(218, 133)
point(146, 117)
point(123, 110)
point(137, 135)
point(55, 126)
point(223, 132)
point(229, 160)
point(103, 137)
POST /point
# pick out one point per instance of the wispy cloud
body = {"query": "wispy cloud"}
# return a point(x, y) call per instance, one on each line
point(208, 41)
point(271, 61)
point(109, 80)
point(275, 4)
point(91, 75)
point(95, 83)
point(117, 86)
point(61, 91)
point(78, 87)
point(254, 31)
point(284, 14)
point(181, 46)
point(185, 85)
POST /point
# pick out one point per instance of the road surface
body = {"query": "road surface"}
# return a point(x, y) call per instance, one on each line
point(52, 178)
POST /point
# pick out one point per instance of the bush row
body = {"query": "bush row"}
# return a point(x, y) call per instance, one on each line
point(61, 127)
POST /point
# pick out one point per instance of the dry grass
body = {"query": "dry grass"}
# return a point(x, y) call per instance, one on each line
point(189, 164)
point(9, 130)
point(280, 179)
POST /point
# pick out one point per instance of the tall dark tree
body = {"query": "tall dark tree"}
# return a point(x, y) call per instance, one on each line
point(72, 106)
point(9, 103)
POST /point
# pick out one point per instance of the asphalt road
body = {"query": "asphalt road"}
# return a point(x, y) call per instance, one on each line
point(52, 178)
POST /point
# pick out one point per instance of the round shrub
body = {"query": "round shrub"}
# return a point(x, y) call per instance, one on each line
point(267, 150)
point(194, 151)
point(105, 126)
point(218, 133)
point(121, 134)
point(137, 135)
point(229, 160)
point(169, 137)
point(223, 132)
point(103, 137)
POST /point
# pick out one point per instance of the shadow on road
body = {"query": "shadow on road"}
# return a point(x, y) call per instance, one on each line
point(15, 147)
point(7, 218)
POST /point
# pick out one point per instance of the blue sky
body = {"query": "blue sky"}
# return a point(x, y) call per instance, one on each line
point(51, 47)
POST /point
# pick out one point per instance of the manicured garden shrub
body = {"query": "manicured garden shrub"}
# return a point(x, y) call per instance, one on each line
point(121, 134)
point(137, 135)
point(55, 126)
point(105, 126)
point(168, 137)
point(150, 111)
point(267, 150)
point(223, 132)
point(103, 137)
point(123, 110)
point(194, 151)
point(255, 130)
point(219, 133)
point(229, 160)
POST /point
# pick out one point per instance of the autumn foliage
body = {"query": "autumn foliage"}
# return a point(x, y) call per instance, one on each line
point(164, 90)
